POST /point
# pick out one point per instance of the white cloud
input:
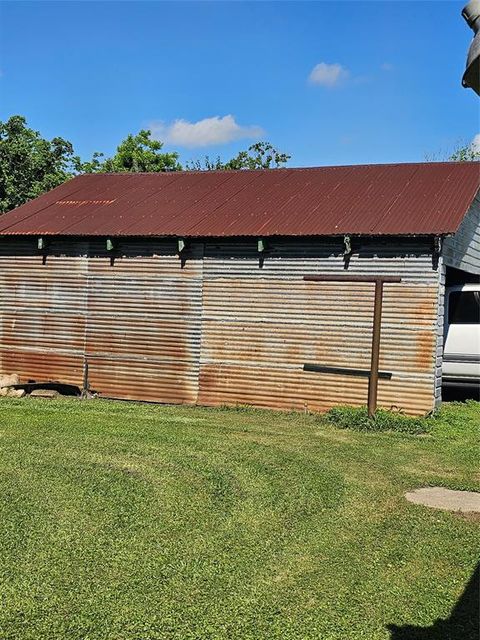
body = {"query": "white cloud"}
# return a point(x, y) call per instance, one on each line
point(206, 132)
point(475, 144)
point(328, 75)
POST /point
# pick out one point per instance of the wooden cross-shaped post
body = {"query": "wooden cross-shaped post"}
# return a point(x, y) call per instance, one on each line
point(377, 326)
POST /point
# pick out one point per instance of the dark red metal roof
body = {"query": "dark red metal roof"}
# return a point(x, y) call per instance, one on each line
point(396, 199)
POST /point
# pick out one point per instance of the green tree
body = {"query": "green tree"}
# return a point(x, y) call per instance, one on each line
point(462, 152)
point(89, 166)
point(465, 153)
point(137, 153)
point(261, 155)
point(206, 164)
point(30, 164)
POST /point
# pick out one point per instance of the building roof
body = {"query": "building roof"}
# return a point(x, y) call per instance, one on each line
point(394, 199)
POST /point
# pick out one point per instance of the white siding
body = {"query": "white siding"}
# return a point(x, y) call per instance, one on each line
point(462, 250)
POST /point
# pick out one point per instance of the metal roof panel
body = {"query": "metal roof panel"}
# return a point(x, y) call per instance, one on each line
point(395, 199)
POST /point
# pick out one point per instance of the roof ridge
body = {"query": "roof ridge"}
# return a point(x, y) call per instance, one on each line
point(282, 169)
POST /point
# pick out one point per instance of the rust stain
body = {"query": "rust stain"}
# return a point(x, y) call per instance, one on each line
point(426, 308)
point(43, 366)
point(29, 330)
point(84, 202)
point(151, 350)
point(254, 346)
point(425, 350)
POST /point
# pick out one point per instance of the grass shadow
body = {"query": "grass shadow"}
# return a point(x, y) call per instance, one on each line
point(462, 624)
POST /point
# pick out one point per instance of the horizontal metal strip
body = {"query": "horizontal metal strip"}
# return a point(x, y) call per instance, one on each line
point(129, 280)
point(343, 395)
point(152, 336)
point(295, 306)
point(412, 277)
point(95, 356)
point(351, 277)
point(331, 346)
point(156, 386)
point(313, 323)
point(309, 291)
point(145, 396)
point(276, 286)
point(250, 314)
point(340, 393)
point(292, 370)
point(330, 259)
point(322, 397)
point(300, 321)
point(407, 366)
point(409, 279)
point(160, 314)
point(277, 332)
point(363, 373)
point(40, 351)
point(420, 268)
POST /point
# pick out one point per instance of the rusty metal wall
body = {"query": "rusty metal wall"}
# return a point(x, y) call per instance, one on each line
point(261, 323)
point(43, 310)
point(223, 326)
point(132, 316)
point(144, 312)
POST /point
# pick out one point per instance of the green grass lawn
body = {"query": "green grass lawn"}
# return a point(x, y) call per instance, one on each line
point(125, 521)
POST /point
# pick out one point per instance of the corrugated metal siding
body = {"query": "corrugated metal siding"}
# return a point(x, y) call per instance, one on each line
point(136, 322)
point(143, 330)
point(462, 250)
point(43, 310)
point(225, 326)
point(262, 324)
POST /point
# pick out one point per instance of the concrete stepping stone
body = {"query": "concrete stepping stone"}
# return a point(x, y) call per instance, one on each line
point(446, 499)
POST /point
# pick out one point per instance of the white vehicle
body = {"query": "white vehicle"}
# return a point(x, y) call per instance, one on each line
point(461, 355)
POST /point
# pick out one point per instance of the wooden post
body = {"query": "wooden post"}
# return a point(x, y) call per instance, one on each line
point(377, 324)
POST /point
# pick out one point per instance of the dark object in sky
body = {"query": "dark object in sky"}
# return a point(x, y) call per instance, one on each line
point(471, 77)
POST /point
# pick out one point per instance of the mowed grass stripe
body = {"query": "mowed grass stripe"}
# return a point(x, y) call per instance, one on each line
point(130, 521)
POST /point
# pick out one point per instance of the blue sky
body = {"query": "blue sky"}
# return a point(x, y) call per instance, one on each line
point(328, 82)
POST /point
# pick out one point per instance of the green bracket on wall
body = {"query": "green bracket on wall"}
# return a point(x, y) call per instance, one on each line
point(110, 244)
point(182, 245)
point(261, 245)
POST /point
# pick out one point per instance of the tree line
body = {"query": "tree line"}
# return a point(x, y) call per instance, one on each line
point(31, 165)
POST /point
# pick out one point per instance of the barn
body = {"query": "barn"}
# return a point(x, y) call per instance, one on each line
point(270, 288)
